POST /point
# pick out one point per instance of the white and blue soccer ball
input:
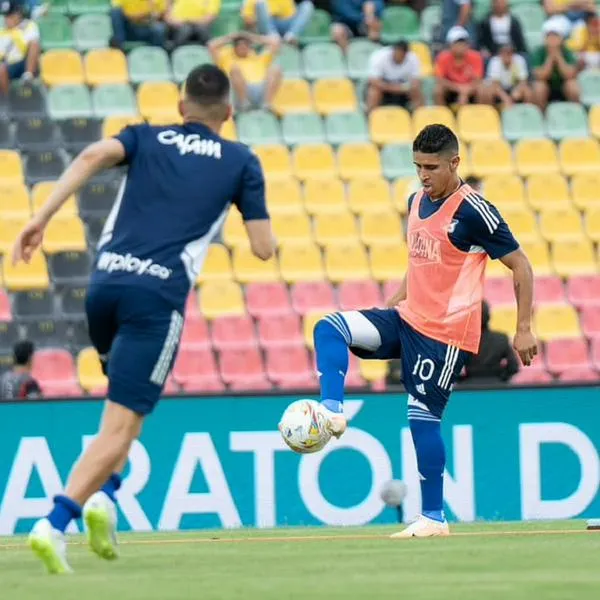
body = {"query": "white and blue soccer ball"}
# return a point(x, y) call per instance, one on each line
point(303, 426)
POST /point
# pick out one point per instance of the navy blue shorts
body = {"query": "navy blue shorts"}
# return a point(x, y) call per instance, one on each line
point(429, 367)
point(136, 333)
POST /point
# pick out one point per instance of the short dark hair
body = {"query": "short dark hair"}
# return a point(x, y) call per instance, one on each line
point(401, 45)
point(22, 352)
point(436, 139)
point(206, 85)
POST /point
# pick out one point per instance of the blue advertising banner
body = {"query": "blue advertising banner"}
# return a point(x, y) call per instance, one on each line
point(220, 461)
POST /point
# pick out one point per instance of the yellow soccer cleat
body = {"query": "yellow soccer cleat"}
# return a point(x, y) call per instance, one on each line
point(100, 519)
point(48, 544)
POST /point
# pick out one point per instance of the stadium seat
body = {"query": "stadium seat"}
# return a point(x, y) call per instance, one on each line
point(335, 229)
point(427, 115)
point(499, 291)
point(592, 223)
point(217, 265)
point(358, 295)
point(92, 31)
point(590, 324)
point(566, 119)
point(234, 233)
point(72, 300)
point(532, 17)
point(9, 230)
point(382, 227)
point(308, 325)
point(579, 375)
point(275, 160)
point(430, 19)
point(45, 165)
point(589, 82)
point(185, 58)
point(53, 366)
point(478, 122)
point(549, 290)
point(522, 223)
point(284, 196)
point(11, 169)
point(192, 308)
point(505, 192)
point(5, 310)
point(267, 300)
point(290, 365)
point(346, 127)
point(32, 276)
point(114, 125)
point(323, 60)
point(423, 53)
point(548, 192)
point(9, 335)
point(233, 332)
point(292, 228)
point(531, 376)
point(584, 290)
point(26, 99)
point(317, 29)
point(64, 235)
point(594, 121)
point(346, 262)
point(158, 99)
point(78, 133)
point(293, 96)
point(538, 254)
point(556, 321)
point(504, 319)
point(220, 298)
point(243, 369)
point(313, 296)
point(388, 261)
point(564, 355)
point(324, 196)
point(585, 190)
point(279, 332)
point(33, 305)
point(358, 55)
point(574, 257)
point(399, 22)
point(41, 192)
point(105, 66)
point(314, 161)
point(390, 125)
point(356, 161)
point(64, 388)
point(195, 369)
point(301, 262)
point(6, 132)
point(36, 134)
point(334, 95)
point(289, 60)
point(523, 121)
point(536, 156)
point(491, 157)
point(397, 161)
point(149, 64)
point(69, 101)
point(373, 370)
point(55, 32)
point(369, 195)
point(96, 198)
point(247, 267)
point(579, 155)
point(15, 201)
point(402, 189)
point(195, 334)
point(113, 100)
point(258, 127)
point(561, 225)
point(302, 128)
point(61, 67)
point(89, 370)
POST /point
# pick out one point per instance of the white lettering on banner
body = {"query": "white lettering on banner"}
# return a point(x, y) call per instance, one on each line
point(112, 262)
point(263, 444)
point(198, 448)
point(190, 144)
point(531, 438)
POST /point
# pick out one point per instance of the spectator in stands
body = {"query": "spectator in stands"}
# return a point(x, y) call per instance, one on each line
point(498, 29)
point(574, 10)
point(506, 79)
point(554, 67)
point(457, 13)
point(18, 384)
point(138, 21)
point(19, 46)
point(254, 79)
point(278, 17)
point(191, 20)
point(458, 70)
point(356, 17)
point(496, 360)
point(585, 42)
point(394, 74)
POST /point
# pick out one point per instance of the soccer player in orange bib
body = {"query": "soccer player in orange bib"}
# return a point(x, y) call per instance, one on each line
point(433, 322)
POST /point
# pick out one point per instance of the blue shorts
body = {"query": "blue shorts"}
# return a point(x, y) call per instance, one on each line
point(429, 367)
point(15, 70)
point(136, 333)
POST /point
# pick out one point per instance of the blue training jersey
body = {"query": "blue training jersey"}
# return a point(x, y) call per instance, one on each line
point(180, 184)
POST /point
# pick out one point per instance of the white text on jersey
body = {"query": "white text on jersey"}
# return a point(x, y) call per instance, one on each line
point(111, 262)
point(191, 143)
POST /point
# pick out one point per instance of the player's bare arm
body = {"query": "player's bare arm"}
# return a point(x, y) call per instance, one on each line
point(261, 238)
point(524, 341)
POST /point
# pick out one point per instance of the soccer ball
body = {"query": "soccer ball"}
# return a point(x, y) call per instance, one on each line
point(303, 427)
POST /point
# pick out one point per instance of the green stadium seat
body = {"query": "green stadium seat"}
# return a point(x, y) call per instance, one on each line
point(318, 28)
point(67, 101)
point(290, 61)
point(346, 127)
point(431, 17)
point(397, 161)
point(302, 128)
point(258, 127)
point(566, 119)
point(226, 23)
point(148, 64)
point(55, 32)
point(400, 22)
point(89, 7)
point(92, 31)
point(114, 100)
point(185, 58)
point(59, 7)
point(532, 17)
point(231, 5)
point(523, 121)
point(323, 61)
point(359, 53)
point(589, 82)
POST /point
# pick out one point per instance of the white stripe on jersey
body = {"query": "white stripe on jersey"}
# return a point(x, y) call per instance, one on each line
point(492, 222)
point(109, 225)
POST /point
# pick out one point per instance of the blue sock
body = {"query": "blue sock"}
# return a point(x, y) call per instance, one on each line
point(431, 458)
point(64, 511)
point(111, 486)
point(332, 338)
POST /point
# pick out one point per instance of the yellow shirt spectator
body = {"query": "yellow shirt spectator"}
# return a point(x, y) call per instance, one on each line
point(195, 10)
point(140, 9)
point(280, 9)
point(582, 41)
point(253, 67)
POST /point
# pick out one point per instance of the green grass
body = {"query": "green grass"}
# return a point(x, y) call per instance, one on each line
point(500, 561)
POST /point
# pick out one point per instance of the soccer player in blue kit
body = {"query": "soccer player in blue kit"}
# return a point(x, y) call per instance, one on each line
point(180, 184)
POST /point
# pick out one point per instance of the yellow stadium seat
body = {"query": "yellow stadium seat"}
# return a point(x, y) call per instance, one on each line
point(478, 122)
point(15, 200)
point(423, 52)
point(574, 258)
point(308, 325)
point(217, 265)
point(229, 131)
point(334, 95)
point(301, 262)
point(373, 370)
point(556, 321)
point(158, 99)
point(390, 125)
point(359, 160)
point(388, 261)
point(591, 222)
point(11, 169)
point(293, 96)
point(163, 119)
point(401, 191)
point(383, 227)
point(561, 225)
point(114, 125)
point(234, 231)
point(292, 228)
point(505, 192)
point(64, 235)
point(491, 157)
point(539, 256)
point(314, 161)
point(504, 319)
point(61, 67)
point(536, 156)
point(579, 155)
point(595, 120)
point(248, 268)
point(369, 195)
point(10, 227)
point(284, 196)
point(585, 189)
point(40, 193)
point(106, 65)
point(89, 370)
point(221, 298)
point(523, 224)
point(346, 262)
point(335, 229)
point(275, 160)
point(324, 196)
point(32, 276)
point(427, 115)
point(495, 268)
point(548, 192)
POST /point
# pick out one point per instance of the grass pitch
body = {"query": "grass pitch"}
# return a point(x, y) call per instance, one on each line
point(505, 561)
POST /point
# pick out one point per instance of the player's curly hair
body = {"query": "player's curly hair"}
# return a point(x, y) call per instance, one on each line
point(436, 139)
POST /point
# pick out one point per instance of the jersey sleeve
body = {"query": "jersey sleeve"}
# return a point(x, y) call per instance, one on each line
point(251, 201)
point(129, 138)
point(410, 201)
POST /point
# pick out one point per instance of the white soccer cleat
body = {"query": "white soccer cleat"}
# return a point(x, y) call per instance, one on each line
point(48, 544)
point(423, 527)
point(336, 423)
point(100, 519)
